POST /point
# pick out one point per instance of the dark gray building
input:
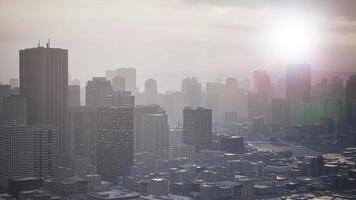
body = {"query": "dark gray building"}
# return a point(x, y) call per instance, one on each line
point(115, 135)
point(197, 127)
point(15, 110)
point(44, 83)
point(139, 113)
point(97, 92)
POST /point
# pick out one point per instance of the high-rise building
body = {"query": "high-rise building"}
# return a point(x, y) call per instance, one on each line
point(263, 86)
point(214, 96)
point(74, 95)
point(16, 153)
point(139, 112)
point(115, 135)
point(121, 99)
point(15, 110)
point(45, 150)
point(298, 85)
point(118, 84)
point(129, 74)
point(191, 89)
point(150, 91)
point(197, 127)
point(44, 83)
point(97, 92)
point(155, 133)
point(350, 101)
point(82, 132)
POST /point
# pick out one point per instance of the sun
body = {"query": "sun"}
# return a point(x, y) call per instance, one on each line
point(292, 40)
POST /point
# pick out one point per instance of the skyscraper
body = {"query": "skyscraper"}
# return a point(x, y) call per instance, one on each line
point(262, 84)
point(97, 92)
point(118, 84)
point(121, 99)
point(45, 150)
point(82, 132)
point(350, 101)
point(129, 74)
point(139, 113)
point(74, 95)
point(44, 82)
point(191, 89)
point(16, 153)
point(155, 133)
point(115, 135)
point(150, 91)
point(197, 127)
point(15, 110)
point(298, 82)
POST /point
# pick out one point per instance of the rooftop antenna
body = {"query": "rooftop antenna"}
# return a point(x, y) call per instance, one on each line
point(48, 43)
point(39, 43)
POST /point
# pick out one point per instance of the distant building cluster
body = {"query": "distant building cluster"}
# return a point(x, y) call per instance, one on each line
point(268, 138)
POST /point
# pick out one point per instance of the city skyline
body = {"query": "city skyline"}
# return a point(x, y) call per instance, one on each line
point(178, 100)
point(199, 36)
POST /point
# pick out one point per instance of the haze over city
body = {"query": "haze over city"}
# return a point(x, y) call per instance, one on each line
point(177, 100)
point(177, 38)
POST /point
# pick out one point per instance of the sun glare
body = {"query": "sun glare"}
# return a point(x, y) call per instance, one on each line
point(292, 39)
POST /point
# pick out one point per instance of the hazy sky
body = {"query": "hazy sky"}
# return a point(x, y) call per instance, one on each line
point(170, 39)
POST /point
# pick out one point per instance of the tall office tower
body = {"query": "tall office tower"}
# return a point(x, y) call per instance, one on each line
point(139, 112)
point(74, 95)
point(15, 110)
point(129, 74)
point(191, 89)
point(115, 135)
point(197, 127)
point(231, 100)
point(121, 99)
point(97, 92)
point(16, 153)
point(175, 137)
point(46, 150)
point(155, 133)
point(262, 84)
point(82, 132)
point(14, 82)
point(44, 82)
point(298, 83)
point(151, 93)
point(118, 84)
point(350, 102)
point(255, 106)
point(214, 95)
point(172, 102)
